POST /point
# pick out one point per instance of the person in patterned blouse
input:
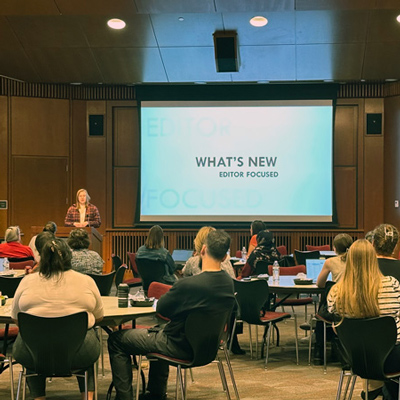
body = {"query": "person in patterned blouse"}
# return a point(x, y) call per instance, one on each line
point(84, 260)
point(83, 213)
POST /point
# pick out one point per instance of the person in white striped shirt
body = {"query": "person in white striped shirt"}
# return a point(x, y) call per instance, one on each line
point(363, 292)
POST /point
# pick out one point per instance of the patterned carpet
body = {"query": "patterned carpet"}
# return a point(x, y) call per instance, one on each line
point(283, 380)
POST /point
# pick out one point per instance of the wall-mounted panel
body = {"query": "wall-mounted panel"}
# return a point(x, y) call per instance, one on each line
point(126, 181)
point(126, 136)
point(345, 138)
point(39, 192)
point(40, 127)
point(346, 196)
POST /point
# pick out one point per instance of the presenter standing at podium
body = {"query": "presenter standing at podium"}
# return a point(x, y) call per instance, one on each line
point(83, 213)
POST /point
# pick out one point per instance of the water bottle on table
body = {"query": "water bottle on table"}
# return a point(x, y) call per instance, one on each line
point(6, 264)
point(275, 271)
point(244, 254)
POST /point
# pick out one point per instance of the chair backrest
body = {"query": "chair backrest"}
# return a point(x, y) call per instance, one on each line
point(367, 343)
point(301, 256)
point(282, 250)
point(103, 282)
point(289, 270)
point(150, 271)
point(325, 247)
point(21, 264)
point(261, 267)
point(238, 254)
point(119, 276)
point(157, 289)
point(204, 331)
point(116, 261)
point(53, 342)
point(251, 297)
point(9, 284)
point(132, 259)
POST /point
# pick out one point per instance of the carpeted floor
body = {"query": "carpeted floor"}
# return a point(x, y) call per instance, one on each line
point(283, 380)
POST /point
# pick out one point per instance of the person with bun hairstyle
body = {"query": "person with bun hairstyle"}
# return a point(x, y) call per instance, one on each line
point(83, 213)
point(49, 227)
point(55, 291)
point(385, 239)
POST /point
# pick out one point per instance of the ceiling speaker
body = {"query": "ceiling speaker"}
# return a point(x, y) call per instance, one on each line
point(225, 48)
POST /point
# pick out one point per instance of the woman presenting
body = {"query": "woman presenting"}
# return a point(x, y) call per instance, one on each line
point(83, 213)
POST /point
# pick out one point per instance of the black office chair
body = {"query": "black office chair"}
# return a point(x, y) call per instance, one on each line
point(53, 344)
point(150, 271)
point(9, 284)
point(119, 276)
point(261, 267)
point(204, 331)
point(301, 256)
point(253, 301)
point(367, 343)
point(116, 261)
point(103, 282)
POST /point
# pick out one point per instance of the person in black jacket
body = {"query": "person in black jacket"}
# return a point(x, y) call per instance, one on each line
point(210, 290)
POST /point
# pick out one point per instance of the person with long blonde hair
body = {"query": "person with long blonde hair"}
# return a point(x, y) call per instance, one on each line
point(363, 292)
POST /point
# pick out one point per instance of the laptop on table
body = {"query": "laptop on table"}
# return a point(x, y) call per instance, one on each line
point(314, 268)
point(181, 256)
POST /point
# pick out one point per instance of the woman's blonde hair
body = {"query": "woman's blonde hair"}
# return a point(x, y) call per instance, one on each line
point(200, 238)
point(77, 197)
point(356, 294)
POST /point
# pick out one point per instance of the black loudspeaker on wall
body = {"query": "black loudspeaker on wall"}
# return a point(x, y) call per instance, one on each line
point(374, 124)
point(225, 48)
point(96, 125)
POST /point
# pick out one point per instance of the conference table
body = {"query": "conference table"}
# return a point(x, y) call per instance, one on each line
point(113, 315)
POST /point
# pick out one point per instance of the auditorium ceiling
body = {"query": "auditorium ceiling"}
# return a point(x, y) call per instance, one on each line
point(171, 41)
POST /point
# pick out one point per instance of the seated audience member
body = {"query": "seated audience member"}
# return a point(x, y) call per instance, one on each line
point(335, 265)
point(385, 240)
point(369, 236)
point(363, 292)
point(56, 291)
point(83, 213)
point(154, 249)
point(193, 264)
point(49, 227)
point(12, 247)
point(264, 251)
point(212, 290)
point(84, 260)
point(255, 227)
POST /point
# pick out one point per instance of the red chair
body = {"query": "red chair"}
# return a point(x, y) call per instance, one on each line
point(136, 280)
point(282, 250)
point(157, 289)
point(325, 247)
point(238, 254)
point(21, 264)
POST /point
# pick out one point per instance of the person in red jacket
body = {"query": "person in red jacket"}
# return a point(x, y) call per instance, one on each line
point(12, 247)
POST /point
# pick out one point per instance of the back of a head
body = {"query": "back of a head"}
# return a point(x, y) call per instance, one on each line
point(155, 239)
point(200, 238)
point(257, 226)
point(361, 260)
point(218, 243)
point(50, 227)
point(12, 234)
point(42, 238)
point(78, 239)
point(265, 238)
point(342, 243)
point(385, 239)
point(55, 258)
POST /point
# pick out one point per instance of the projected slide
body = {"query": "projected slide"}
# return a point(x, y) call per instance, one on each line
point(230, 161)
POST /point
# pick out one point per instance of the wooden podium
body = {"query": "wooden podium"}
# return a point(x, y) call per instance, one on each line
point(96, 240)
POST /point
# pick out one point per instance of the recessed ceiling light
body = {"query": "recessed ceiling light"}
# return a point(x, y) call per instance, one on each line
point(390, 80)
point(76, 83)
point(259, 21)
point(116, 23)
point(398, 18)
point(180, 19)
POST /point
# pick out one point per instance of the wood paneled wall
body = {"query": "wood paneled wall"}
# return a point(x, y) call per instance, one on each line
point(39, 137)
